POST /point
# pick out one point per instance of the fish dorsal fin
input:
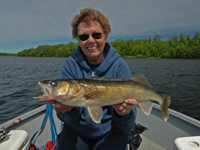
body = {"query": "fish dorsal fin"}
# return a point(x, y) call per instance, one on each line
point(106, 79)
point(141, 79)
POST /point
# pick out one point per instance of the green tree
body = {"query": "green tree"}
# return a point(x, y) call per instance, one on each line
point(157, 38)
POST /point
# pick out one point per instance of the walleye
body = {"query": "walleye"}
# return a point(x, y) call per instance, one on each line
point(94, 93)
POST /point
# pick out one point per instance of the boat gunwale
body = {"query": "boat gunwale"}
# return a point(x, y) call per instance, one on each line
point(26, 115)
point(172, 112)
point(181, 116)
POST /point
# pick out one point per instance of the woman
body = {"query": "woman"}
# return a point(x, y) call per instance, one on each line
point(94, 57)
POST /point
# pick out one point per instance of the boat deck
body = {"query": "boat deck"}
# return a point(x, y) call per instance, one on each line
point(148, 144)
point(160, 134)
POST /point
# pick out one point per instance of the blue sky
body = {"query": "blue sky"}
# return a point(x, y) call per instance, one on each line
point(30, 23)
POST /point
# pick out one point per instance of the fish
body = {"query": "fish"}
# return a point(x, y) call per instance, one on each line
point(93, 93)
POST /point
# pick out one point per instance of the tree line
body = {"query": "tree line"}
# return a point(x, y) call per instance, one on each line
point(8, 54)
point(175, 47)
point(60, 50)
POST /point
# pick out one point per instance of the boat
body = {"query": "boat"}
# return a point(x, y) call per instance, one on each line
point(179, 132)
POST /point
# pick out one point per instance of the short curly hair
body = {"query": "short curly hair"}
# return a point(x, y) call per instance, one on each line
point(87, 15)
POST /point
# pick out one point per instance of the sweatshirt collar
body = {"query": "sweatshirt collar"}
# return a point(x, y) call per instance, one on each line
point(111, 56)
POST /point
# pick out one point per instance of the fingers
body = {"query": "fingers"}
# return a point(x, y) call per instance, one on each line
point(51, 101)
point(122, 109)
point(59, 107)
point(125, 107)
point(132, 102)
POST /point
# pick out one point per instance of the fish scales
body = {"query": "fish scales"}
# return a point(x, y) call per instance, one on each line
point(94, 93)
point(110, 92)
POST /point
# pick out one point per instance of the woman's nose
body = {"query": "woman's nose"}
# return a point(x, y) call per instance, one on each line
point(91, 39)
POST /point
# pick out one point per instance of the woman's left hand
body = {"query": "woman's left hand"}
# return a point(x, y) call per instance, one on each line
point(125, 107)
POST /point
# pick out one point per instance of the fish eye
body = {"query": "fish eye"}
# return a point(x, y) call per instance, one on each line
point(53, 83)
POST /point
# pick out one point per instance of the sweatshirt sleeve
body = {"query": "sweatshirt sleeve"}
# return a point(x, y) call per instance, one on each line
point(124, 122)
point(123, 70)
point(67, 73)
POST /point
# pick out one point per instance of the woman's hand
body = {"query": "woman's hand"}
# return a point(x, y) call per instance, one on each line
point(125, 107)
point(59, 107)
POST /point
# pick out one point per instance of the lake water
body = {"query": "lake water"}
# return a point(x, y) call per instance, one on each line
point(180, 78)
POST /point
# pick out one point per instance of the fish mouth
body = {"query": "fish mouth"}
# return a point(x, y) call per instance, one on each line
point(46, 92)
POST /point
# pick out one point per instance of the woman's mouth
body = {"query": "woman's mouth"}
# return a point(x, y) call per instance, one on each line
point(91, 48)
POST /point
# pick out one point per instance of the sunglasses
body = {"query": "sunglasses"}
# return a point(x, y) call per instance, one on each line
point(84, 37)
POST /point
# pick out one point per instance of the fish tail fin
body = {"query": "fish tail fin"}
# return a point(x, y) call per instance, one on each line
point(165, 105)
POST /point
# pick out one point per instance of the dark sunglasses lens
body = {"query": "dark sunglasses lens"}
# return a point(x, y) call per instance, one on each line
point(96, 35)
point(83, 37)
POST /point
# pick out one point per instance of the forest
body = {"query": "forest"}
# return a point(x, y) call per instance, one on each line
point(175, 47)
point(8, 54)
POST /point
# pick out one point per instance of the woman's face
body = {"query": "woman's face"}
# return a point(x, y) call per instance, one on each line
point(91, 47)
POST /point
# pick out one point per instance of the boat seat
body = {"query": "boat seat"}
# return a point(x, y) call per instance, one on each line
point(15, 139)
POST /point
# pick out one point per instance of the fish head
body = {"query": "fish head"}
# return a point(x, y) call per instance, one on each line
point(53, 89)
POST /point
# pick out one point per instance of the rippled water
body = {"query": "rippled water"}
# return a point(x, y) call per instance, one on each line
point(180, 78)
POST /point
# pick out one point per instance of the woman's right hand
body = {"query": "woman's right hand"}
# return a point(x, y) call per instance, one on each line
point(59, 107)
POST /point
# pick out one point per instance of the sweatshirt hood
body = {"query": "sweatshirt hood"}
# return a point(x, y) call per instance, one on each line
point(111, 56)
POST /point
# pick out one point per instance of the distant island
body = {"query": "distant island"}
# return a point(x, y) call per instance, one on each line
point(8, 54)
point(175, 47)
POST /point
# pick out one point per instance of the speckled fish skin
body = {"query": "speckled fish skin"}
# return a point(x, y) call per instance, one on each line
point(93, 94)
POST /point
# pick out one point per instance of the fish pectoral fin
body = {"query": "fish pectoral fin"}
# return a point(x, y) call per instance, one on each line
point(146, 107)
point(96, 113)
point(141, 79)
